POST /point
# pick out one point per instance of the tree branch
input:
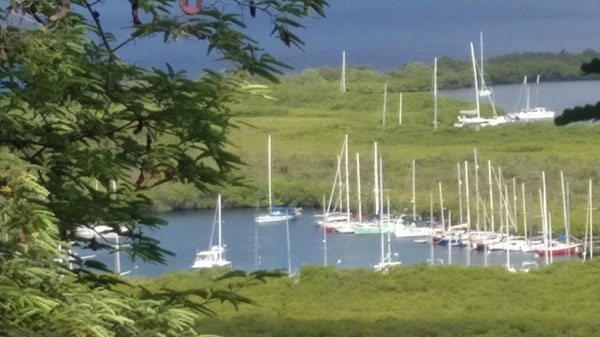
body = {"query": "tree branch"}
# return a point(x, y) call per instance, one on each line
point(100, 30)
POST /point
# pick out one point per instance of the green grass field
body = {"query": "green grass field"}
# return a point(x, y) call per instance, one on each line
point(561, 300)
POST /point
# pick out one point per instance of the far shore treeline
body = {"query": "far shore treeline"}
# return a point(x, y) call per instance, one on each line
point(456, 73)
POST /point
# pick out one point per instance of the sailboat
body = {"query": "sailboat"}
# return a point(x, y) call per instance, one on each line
point(213, 257)
point(276, 214)
point(334, 218)
point(409, 229)
point(386, 261)
point(473, 117)
point(527, 113)
point(381, 223)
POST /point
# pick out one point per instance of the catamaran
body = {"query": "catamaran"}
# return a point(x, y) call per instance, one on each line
point(527, 113)
point(213, 257)
point(276, 214)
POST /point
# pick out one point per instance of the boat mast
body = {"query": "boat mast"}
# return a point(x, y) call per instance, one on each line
point(568, 228)
point(381, 209)
point(591, 222)
point(467, 194)
point(324, 236)
point(442, 204)
point(343, 79)
point(460, 205)
point(435, 105)
point(477, 197)
point(389, 234)
point(449, 238)
point(524, 210)
point(500, 199)
point(340, 186)
point(475, 79)
point(414, 193)
point(347, 179)
point(431, 226)
point(550, 234)
point(381, 186)
point(527, 104)
point(537, 90)
point(481, 55)
point(358, 188)
point(507, 233)
point(219, 232)
point(564, 201)
point(468, 210)
point(376, 182)
point(545, 215)
point(269, 170)
point(515, 218)
point(543, 218)
point(519, 104)
point(384, 104)
point(491, 195)
point(335, 183)
point(400, 109)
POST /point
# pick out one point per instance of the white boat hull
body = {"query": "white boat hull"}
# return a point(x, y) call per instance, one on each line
point(274, 218)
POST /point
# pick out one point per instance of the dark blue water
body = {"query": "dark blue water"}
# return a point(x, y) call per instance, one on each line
point(385, 34)
point(189, 232)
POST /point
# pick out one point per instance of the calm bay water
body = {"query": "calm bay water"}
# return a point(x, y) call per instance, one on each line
point(189, 232)
point(555, 96)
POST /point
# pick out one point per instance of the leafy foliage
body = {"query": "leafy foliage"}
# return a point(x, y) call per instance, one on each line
point(84, 134)
point(588, 112)
point(559, 300)
point(71, 106)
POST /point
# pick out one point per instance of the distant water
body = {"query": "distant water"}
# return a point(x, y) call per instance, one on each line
point(385, 34)
point(555, 96)
point(189, 232)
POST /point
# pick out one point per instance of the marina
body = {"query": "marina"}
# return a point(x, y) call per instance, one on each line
point(190, 230)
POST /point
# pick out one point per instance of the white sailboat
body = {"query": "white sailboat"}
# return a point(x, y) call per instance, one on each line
point(526, 113)
point(213, 257)
point(386, 259)
point(276, 214)
point(336, 219)
point(473, 117)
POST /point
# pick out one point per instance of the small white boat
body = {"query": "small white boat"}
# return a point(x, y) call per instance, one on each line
point(210, 258)
point(278, 214)
point(515, 244)
point(532, 115)
point(386, 265)
point(528, 114)
point(214, 256)
point(412, 231)
point(98, 232)
point(473, 117)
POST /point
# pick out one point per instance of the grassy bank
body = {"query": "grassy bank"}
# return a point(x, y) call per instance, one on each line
point(561, 300)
